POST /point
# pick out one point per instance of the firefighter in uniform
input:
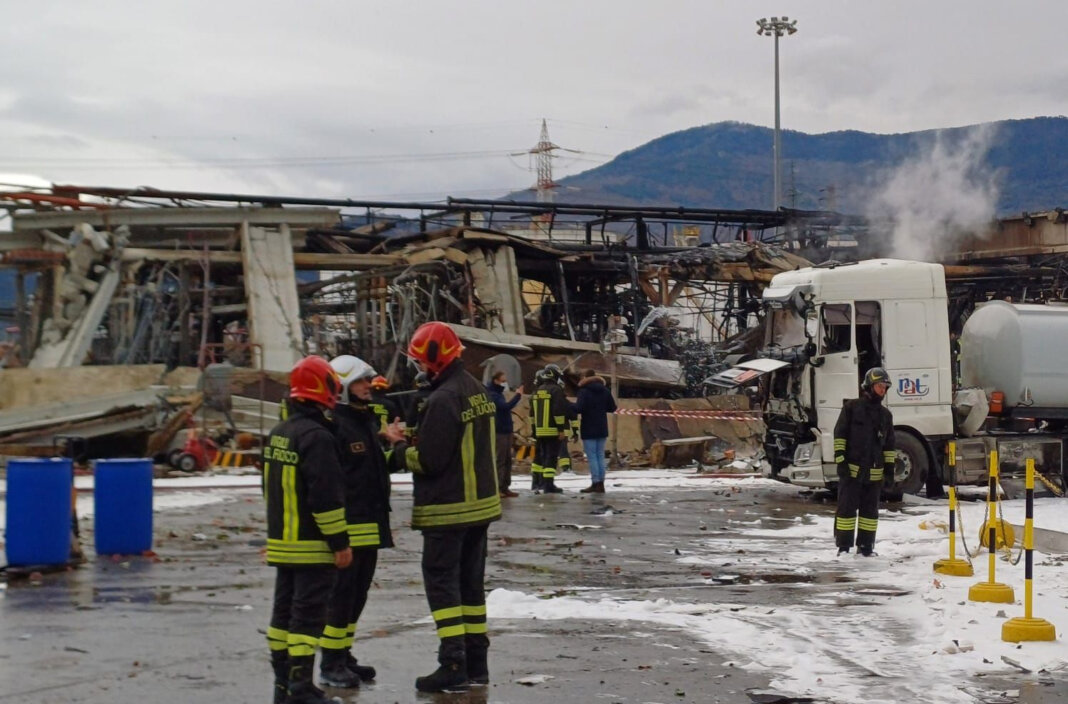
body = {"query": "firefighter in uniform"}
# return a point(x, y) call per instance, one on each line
point(382, 405)
point(307, 539)
point(563, 462)
point(864, 452)
point(549, 417)
point(455, 498)
point(366, 470)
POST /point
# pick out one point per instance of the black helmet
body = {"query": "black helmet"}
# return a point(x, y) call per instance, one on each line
point(873, 376)
point(553, 371)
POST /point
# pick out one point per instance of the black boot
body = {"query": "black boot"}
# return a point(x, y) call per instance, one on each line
point(449, 677)
point(334, 670)
point(592, 488)
point(598, 488)
point(301, 688)
point(549, 487)
point(478, 666)
point(364, 672)
point(280, 665)
point(535, 483)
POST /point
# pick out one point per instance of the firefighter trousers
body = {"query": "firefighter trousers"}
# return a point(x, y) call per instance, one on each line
point(348, 599)
point(546, 456)
point(454, 570)
point(858, 513)
point(301, 595)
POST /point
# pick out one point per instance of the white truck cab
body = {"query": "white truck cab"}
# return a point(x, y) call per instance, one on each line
point(832, 324)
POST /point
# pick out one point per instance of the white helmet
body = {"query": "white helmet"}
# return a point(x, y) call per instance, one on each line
point(350, 369)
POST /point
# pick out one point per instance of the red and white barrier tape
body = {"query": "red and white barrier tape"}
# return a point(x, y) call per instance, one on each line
point(709, 415)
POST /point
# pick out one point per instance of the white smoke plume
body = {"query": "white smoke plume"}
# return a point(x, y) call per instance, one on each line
point(937, 198)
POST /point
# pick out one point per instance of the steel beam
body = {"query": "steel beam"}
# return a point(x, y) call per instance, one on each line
point(177, 217)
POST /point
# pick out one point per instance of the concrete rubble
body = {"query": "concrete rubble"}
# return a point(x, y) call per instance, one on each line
point(658, 299)
point(127, 285)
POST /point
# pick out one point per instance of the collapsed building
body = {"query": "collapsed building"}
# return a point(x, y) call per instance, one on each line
point(657, 298)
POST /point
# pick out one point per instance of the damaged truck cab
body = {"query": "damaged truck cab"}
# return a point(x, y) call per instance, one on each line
point(1002, 388)
point(828, 326)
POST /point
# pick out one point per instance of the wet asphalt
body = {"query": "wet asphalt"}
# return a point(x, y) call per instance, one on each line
point(187, 624)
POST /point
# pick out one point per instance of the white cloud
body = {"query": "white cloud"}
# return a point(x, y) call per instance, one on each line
point(243, 79)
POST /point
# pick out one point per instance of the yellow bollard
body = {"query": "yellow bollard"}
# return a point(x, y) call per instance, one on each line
point(991, 590)
point(953, 565)
point(1027, 628)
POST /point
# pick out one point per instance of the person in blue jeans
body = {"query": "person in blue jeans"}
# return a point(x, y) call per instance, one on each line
point(593, 405)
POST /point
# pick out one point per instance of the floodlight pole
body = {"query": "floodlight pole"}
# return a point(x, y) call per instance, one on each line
point(776, 27)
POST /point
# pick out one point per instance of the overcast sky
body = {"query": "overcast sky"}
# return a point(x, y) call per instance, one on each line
point(407, 100)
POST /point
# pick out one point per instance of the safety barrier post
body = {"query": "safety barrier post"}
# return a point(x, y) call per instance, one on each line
point(1027, 628)
point(953, 565)
point(991, 590)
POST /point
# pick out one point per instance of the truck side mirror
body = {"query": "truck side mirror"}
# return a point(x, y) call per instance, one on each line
point(810, 352)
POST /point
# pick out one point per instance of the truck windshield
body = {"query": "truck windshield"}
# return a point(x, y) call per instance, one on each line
point(785, 328)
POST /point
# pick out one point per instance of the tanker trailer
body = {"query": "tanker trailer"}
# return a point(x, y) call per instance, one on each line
point(1013, 393)
point(1018, 355)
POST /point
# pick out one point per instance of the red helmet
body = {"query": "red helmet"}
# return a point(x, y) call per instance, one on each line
point(435, 345)
point(379, 382)
point(313, 379)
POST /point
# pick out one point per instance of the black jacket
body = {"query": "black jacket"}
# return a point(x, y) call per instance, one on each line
point(594, 403)
point(366, 470)
point(550, 411)
point(453, 460)
point(504, 408)
point(864, 439)
point(302, 487)
point(385, 408)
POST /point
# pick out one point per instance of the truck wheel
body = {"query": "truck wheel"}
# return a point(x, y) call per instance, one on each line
point(910, 470)
point(188, 463)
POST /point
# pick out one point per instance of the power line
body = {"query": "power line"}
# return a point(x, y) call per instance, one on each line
point(118, 163)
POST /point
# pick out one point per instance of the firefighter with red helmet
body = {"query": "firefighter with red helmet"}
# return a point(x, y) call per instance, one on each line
point(307, 537)
point(455, 498)
point(366, 470)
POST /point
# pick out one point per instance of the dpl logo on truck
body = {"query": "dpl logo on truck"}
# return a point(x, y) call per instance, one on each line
point(912, 388)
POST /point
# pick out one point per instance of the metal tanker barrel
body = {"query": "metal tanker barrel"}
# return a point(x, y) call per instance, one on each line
point(1019, 350)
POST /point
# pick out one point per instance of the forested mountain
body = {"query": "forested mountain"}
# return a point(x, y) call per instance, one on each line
point(729, 165)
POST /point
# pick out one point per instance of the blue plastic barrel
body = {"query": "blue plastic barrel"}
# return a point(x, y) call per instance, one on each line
point(39, 511)
point(122, 506)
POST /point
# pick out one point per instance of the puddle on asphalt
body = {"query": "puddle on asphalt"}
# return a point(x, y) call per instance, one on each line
point(778, 578)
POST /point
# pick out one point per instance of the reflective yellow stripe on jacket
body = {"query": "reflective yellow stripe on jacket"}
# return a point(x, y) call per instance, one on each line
point(541, 408)
point(364, 535)
point(299, 552)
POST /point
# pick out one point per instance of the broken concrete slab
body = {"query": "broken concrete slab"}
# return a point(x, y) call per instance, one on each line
point(22, 388)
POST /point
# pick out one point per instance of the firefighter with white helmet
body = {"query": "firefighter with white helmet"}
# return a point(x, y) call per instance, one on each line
point(365, 469)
